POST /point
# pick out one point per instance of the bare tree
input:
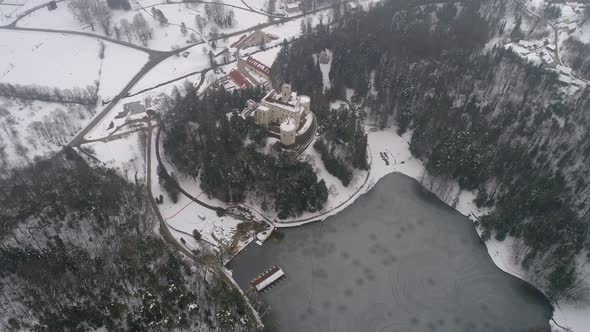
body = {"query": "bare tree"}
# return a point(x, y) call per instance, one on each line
point(82, 10)
point(199, 23)
point(103, 15)
point(142, 29)
point(126, 29)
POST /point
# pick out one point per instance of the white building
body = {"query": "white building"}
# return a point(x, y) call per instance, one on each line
point(288, 128)
point(283, 108)
point(293, 7)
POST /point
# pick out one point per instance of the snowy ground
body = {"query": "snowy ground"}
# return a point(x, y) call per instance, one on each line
point(126, 155)
point(174, 67)
point(120, 64)
point(165, 37)
point(325, 68)
point(30, 129)
point(9, 13)
point(583, 33)
point(46, 59)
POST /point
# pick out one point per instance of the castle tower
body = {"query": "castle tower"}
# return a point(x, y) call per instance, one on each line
point(285, 92)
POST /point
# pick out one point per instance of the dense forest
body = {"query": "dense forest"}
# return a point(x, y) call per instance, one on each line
point(206, 138)
point(479, 116)
point(78, 253)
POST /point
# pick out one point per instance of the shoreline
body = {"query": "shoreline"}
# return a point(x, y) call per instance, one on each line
point(388, 141)
point(499, 252)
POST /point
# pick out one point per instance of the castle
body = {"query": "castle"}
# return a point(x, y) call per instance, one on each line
point(283, 108)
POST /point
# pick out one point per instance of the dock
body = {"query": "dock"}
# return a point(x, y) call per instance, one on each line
point(268, 278)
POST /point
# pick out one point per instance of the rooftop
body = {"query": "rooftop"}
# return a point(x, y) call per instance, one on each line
point(240, 80)
point(288, 125)
point(258, 65)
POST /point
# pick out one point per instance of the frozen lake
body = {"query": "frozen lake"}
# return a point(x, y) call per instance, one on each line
point(398, 259)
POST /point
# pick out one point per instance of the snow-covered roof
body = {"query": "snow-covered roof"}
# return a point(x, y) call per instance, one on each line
point(240, 80)
point(564, 70)
point(564, 79)
point(288, 125)
point(134, 107)
point(263, 108)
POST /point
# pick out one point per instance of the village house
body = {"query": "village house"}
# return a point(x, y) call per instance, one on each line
point(293, 7)
point(133, 108)
point(238, 81)
point(249, 73)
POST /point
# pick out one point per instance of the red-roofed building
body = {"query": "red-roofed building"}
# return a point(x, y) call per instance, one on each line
point(258, 67)
point(239, 80)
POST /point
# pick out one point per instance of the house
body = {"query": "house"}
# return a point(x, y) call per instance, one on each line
point(259, 67)
point(564, 80)
point(283, 107)
point(239, 81)
point(254, 70)
point(293, 7)
point(134, 107)
point(256, 38)
point(564, 70)
point(569, 27)
point(52, 5)
point(548, 61)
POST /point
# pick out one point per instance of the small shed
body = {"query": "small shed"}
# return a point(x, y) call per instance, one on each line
point(133, 108)
point(52, 5)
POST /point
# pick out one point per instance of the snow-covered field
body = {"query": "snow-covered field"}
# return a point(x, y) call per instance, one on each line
point(174, 67)
point(30, 129)
point(11, 12)
point(119, 66)
point(46, 59)
point(165, 37)
point(126, 155)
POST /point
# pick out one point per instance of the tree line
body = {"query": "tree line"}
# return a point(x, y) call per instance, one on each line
point(82, 96)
